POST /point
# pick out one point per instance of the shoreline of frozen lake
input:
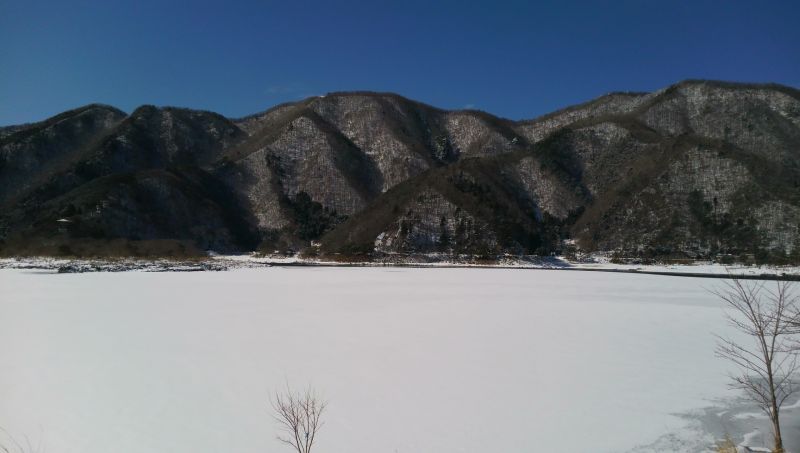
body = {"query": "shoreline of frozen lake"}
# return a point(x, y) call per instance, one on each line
point(230, 262)
point(410, 360)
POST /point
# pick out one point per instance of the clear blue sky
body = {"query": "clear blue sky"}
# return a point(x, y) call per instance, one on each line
point(515, 59)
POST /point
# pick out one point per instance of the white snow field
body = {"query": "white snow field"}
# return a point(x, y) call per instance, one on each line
point(410, 360)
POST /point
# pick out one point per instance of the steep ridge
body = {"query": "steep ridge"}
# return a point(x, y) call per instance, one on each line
point(698, 169)
point(34, 150)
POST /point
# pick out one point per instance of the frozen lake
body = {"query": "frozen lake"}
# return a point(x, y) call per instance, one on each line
point(410, 360)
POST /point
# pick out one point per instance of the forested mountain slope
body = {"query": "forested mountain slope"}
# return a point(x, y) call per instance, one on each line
point(698, 169)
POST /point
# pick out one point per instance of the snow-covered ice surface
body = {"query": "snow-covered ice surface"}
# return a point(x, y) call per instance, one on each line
point(410, 360)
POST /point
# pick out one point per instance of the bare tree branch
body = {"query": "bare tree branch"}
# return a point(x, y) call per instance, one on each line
point(15, 446)
point(769, 316)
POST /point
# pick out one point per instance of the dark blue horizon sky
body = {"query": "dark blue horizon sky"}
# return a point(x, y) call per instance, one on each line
point(514, 59)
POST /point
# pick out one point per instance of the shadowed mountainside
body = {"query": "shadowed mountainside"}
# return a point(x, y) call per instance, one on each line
point(699, 169)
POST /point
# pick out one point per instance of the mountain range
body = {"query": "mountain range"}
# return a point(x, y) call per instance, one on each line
point(700, 169)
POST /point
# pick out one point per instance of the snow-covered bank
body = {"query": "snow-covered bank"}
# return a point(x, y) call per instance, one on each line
point(411, 360)
point(700, 268)
point(72, 266)
point(228, 262)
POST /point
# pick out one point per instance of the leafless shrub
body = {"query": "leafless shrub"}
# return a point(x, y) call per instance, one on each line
point(299, 415)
